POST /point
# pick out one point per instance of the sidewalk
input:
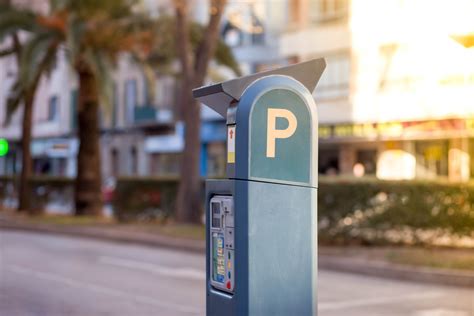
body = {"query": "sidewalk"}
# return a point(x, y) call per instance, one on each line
point(109, 233)
point(328, 259)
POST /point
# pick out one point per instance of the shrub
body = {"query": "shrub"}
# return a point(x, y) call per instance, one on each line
point(143, 199)
point(44, 189)
point(406, 212)
point(366, 211)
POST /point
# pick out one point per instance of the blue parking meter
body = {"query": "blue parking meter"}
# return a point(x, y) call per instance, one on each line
point(261, 222)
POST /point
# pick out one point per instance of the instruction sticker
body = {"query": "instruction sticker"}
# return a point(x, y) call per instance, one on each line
point(231, 144)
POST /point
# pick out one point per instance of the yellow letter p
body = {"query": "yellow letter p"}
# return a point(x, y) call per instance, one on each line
point(273, 133)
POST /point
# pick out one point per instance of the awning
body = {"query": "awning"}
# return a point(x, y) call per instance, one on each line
point(164, 144)
point(54, 148)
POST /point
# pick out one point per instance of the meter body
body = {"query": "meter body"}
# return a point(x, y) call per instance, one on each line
point(261, 220)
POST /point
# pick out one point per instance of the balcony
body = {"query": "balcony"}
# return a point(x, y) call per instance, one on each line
point(147, 115)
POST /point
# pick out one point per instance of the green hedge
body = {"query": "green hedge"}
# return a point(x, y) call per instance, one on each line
point(349, 211)
point(406, 212)
point(43, 189)
point(138, 198)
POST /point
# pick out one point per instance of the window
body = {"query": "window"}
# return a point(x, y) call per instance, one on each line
point(53, 108)
point(294, 11)
point(216, 163)
point(11, 163)
point(368, 159)
point(328, 161)
point(114, 105)
point(73, 114)
point(471, 156)
point(130, 99)
point(165, 164)
point(321, 11)
point(335, 80)
point(114, 157)
point(431, 159)
point(242, 27)
point(133, 161)
point(165, 91)
point(50, 166)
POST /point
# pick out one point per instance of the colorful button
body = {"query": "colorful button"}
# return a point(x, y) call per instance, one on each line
point(228, 285)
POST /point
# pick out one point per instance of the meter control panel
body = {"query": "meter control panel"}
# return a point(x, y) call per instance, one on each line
point(221, 214)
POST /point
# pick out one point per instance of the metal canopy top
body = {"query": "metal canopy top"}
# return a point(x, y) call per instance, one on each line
point(220, 95)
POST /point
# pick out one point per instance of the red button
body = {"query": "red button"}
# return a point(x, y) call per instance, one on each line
point(228, 285)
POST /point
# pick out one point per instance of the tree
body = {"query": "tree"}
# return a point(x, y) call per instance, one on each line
point(32, 63)
point(93, 34)
point(194, 66)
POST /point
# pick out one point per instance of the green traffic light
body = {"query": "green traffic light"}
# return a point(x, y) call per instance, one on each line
point(3, 147)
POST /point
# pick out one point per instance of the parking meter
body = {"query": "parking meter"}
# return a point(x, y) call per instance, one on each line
point(261, 221)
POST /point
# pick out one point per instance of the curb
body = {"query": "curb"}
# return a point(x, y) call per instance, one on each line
point(108, 234)
point(382, 269)
point(325, 262)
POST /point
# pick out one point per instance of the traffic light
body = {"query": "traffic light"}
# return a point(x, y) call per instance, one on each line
point(3, 147)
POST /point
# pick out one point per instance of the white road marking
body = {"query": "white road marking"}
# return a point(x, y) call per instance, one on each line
point(101, 289)
point(377, 301)
point(441, 312)
point(180, 273)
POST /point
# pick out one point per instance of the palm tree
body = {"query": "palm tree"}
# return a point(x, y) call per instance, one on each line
point(32, 63)
point(93, 34)
point(193, 45)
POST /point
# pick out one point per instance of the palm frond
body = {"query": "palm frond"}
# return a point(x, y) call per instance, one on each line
point(102, 68)
point(7, 52)
point(74, 35)
point(149, 75)
point(13, 20)
point(33, 53)
point(13, 102)
point(225, 57)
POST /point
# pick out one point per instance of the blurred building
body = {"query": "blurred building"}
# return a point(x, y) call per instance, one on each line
point(394, 102)
point(133, 132)
point(252, 28)
point(396, 98)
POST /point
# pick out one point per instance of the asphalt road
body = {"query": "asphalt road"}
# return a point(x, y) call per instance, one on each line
point(54, 275)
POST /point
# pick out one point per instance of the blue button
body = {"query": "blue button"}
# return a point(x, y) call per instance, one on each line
point(228, 273)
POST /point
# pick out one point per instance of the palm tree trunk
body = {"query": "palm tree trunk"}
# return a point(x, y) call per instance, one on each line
point(24, 195)
point(189, 202)
point(88, 196)
point(194, 68)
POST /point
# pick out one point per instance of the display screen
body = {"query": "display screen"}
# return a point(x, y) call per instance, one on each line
point(218, 259)
point(216, 214)
point(216, 208)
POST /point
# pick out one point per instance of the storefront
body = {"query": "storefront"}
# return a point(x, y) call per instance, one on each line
point(10, 163)
point(431, 149)
point(471, 155)
point(165, 153)
point(431, 159)
point(54, 157)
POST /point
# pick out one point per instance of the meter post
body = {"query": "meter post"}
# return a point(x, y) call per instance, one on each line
point(261, 221)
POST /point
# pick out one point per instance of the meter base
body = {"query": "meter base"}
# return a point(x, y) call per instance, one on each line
point(275, 249)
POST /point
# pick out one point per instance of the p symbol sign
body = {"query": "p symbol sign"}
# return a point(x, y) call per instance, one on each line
point(273, 133)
